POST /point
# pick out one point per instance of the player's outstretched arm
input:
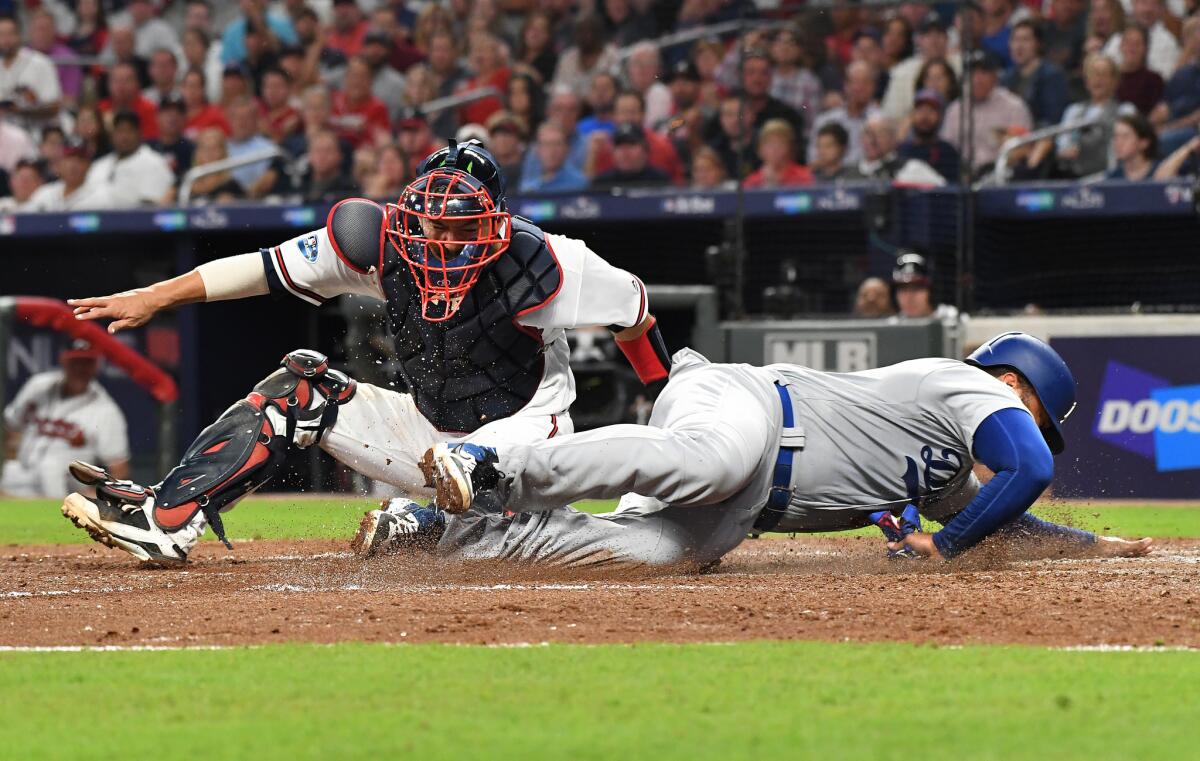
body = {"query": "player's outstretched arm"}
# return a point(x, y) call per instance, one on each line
point(232, 278)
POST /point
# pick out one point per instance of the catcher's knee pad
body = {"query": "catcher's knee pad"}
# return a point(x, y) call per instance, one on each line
point(244, 448)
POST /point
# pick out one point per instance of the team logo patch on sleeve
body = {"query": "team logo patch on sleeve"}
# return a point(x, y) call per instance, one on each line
point(308, 247)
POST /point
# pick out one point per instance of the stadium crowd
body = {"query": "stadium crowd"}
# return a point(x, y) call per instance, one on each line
point(109, 103)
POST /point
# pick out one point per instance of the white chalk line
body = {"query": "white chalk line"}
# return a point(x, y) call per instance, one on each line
point(527, 645)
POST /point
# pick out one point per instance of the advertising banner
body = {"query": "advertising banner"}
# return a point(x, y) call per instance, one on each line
point(1136, 431)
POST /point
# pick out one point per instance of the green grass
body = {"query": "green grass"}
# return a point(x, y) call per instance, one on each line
point(39, 521)
point(762, 700)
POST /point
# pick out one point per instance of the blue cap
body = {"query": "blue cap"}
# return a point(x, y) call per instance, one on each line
point(1043, 368)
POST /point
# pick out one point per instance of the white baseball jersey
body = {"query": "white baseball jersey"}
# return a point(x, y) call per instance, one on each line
point(56, 429)
point(593, 292)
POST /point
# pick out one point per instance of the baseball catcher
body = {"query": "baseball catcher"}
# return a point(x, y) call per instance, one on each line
point(733, 449)
point(478, 301)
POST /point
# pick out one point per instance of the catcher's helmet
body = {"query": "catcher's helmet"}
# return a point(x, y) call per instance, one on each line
point(460, 183)
point(1043, 368)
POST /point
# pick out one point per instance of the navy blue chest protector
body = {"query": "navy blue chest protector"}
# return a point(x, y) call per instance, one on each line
point(479, 365)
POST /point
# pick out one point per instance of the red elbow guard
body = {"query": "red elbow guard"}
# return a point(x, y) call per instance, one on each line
point(648, 355)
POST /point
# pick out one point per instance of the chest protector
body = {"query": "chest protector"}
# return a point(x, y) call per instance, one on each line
point(480, 365)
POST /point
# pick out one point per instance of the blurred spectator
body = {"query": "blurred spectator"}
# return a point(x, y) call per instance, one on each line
point(260, 56)
point(348, 28)
point(28, 80)
point(447, 74)
point(1137, 85)
point(874, 299)
point(1163, 48)
point(555, 174)
point(72, 191)
point(937, 74)
point(136, 174)
point(171, 143)
point(601, 100)
point(23, 182)
point(90, 127)
point(708, 171)
point(734, 140)
point(631, 161)
point(868, 50)
point(999, 18)
point(912, 278)
point(897, 41)
point(235, 84)
point(200, 114)
point(1135, 147)
point(281, 119)
point(1105, 22)
point(1065, 34)
point(122, 48)
point(642, 71)
point(1084, 152)
point(417, 140)
point(277, 27)
point(932, 42)
point(994, 110)
point(218, 187)
point(829, 160)
point(628, 22)
point(662, 153)
point(489, 67)
point(125, 94)
point(924, 142)
point(756, 85)
point(387, 183)
point(791, 82)
point(859, 106)
point(590, 55)
point(685, 125)
point(536, 48)
point(1179, 113)
point(59, 416)
point(16, 145)
point(198, 55)
point(90, 34)
point(564, 111)
point(326, 179)
point(387, 84)
point(43, 38)
point(164, 79)
point(358, 116)
point(50, 149)
point(777, 152)
point(527, 100)
point(1184, 161)
point(150, 33)
point(506, 140)
point(1041, 84)
point(879, 159)
point(707, 55)
point(256, 179)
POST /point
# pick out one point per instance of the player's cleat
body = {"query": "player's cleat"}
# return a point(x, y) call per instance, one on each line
point(398, 525)
point(460, 472)
point(122, 516)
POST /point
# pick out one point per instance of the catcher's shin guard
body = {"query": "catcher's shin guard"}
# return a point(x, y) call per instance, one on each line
point(244, 448)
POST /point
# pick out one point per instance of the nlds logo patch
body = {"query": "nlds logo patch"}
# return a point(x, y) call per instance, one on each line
point(308, 247)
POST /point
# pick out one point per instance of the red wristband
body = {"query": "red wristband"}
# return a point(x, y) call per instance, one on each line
point(647, 354)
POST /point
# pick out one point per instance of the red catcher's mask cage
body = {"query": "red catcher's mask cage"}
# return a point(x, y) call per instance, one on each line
point(447, 229)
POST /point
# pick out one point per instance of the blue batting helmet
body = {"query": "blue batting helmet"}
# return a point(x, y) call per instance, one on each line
point(1042, 367)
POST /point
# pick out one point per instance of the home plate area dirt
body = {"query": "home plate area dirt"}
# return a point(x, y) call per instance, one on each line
point(785, 588)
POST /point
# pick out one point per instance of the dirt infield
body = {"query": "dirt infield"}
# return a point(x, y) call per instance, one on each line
point(805, 588)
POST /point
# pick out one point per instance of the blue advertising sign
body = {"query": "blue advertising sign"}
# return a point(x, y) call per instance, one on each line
point(1136, 432)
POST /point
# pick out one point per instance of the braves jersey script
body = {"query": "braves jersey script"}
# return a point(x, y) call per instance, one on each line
point(88, 426)
point(887, 437)
point(593, 292)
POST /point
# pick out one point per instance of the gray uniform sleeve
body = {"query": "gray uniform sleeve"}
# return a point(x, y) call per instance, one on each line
point(961, 397)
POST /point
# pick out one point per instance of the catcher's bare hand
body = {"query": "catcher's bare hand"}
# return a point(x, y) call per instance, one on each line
point(129, 309)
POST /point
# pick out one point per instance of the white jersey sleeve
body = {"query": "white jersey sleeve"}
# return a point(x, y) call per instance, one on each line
point(112, 438)
point(17, 411)
point(592, 293)
point(310, 268)
point(962, 397)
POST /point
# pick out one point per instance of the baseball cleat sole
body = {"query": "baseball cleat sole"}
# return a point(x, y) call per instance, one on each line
point(363, 540)
point(452, 484)
point(427, 468)
point(83, 513)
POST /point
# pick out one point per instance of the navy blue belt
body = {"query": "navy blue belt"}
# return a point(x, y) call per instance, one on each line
point(781, 484)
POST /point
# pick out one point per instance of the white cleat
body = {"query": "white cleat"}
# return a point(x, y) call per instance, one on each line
point(459, 472)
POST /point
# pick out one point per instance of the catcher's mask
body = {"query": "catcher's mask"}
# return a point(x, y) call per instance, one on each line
point(449, 224)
